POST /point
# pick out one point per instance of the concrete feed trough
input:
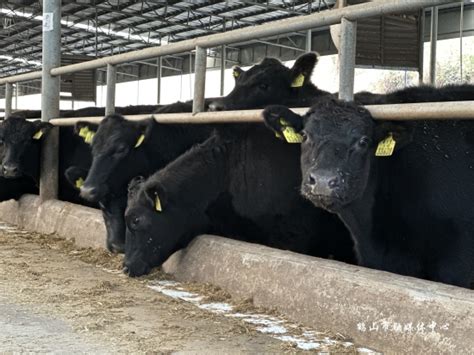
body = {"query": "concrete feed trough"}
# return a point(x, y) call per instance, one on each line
point(382, 310)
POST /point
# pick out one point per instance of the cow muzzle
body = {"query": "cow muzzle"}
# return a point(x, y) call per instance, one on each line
point(10, 170)
point(89, 193)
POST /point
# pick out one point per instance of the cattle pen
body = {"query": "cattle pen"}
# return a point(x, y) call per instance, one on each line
point(334, 295)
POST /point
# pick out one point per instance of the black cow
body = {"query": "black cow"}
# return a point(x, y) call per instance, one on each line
point(271, 82)
point(403, 189)
point(112, 170)
point(240, 183)
point(21, 144)
point(123, 149)
point(423, 93)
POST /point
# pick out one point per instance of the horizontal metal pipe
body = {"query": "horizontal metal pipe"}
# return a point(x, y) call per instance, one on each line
point(299, 23)
point(400, 112)
point(21, 77)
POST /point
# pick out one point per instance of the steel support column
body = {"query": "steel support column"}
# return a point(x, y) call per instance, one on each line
point(50, 88)
point(434, 39)
point(223, 57)
point(199, 79)
point(308, 40)
point(223, 62)
point(8, 99)
point(421, 49)
point(159, 73)
point(347, 55)
point(111, 82)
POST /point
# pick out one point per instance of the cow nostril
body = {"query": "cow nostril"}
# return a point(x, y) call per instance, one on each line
point(125, 269)
point(311, 180)
point(333, 183)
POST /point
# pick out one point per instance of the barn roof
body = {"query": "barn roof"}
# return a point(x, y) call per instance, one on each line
point(97, 28)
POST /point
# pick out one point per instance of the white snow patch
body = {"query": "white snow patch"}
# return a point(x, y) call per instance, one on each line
point(216, 307)
point(183, 295)
point(366, 351)
point(272, 326)
point(273, 329)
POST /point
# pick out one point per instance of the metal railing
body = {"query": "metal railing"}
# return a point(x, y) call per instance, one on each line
point(346, 15)
point(414, 111)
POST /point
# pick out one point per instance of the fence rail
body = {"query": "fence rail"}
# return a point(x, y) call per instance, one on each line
point(417, 111)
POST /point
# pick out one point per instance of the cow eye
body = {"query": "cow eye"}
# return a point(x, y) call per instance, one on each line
point(304, 136)
point(263, 86)
point(364, 142)
point(1, 141)
point(134, 222)
point(121, 149)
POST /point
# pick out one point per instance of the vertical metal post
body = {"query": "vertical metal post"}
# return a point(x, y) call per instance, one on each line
point(199, 79)
point(159, 62)
point(50, 88)
point(434, 39)
point(461, 28)
point(308, 40)
point(347, 53)
point(421, 49)
point(223, 61)
point(111, 81)
point(8, 99)
point(17, 88)
point(223, 57)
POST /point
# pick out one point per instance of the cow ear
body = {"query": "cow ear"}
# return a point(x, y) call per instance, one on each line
point(286, 124)
point(157, 198)
point(134, 185)
point(303, 68)
point(41, 128)
point(85, 130)
point(391, 137)
point(144, 131)
point(76, 176)
point(237, 72)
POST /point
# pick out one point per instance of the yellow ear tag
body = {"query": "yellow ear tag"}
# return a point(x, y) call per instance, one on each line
point(38, 134)
point(83, 132)
point(235, 73)
point(79, 182)
point(140, 140)
point(291, 136)
point(158, 204)
point(298, 82)
point(89, 136)
point(289, 132)
point(386, 147)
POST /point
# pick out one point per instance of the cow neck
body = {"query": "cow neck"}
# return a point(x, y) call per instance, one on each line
point(32, 166)
point(358, 217)
point(196, 180)
point(305, 96)
point(169, 141)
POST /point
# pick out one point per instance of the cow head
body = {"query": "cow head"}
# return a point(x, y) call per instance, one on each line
point(153, 227)
point(267, 83)
point(115, 153)
point(21, 141)
point(339, 141)
point(112, 207)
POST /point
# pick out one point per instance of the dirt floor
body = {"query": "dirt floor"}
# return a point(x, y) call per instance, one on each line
point(55, 297)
